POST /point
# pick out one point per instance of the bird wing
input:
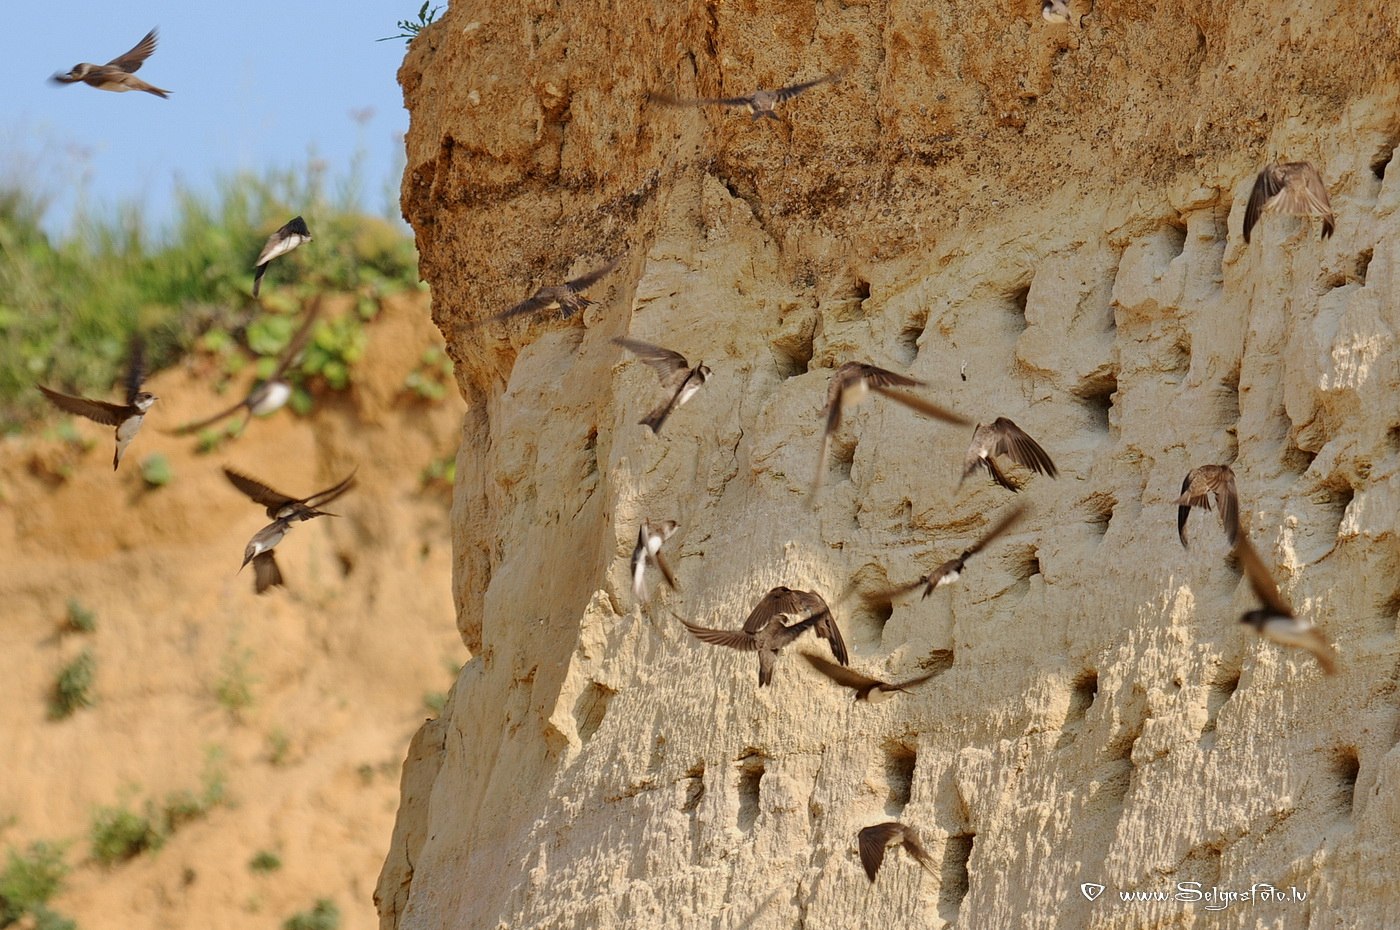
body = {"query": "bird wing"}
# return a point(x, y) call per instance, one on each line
point(1185, 502)
point(672, 101)
point(911, 682)
point(783, 601)
point(297, 343)
point(927, 408)
point(1228, 500)
point(131, 61)
point(1260, 580)
point(825, 627)
point(876, 377)
point(135, 368)
point(536, 301)
point(259, 492)
point(846, 677)
point(916, 849)
point(198, 425)
point(1303, 194)
point(1023, 450)
point(329, 494)
point(887, 595)
point(1008, 520)
point(583, 281)
point(1321, 649)
point(95, 410)
point(792, 90)
point(872, 842)
point(266, 574)
point(666, 571)
point(1266, 185)
point(734, 639)
point(665, 362)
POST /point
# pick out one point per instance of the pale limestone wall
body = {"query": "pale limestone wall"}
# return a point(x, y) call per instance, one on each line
point(1057, 210)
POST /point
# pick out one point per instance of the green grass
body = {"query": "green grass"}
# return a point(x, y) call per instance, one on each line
point(69, 306)
point(73, 688)
point(234, 688)
point(79, 618)
point(121, 832)
point(30, 879)
point(324, 915)
point(409, 28)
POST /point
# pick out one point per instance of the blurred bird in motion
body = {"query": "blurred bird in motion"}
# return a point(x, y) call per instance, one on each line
point(118, 74)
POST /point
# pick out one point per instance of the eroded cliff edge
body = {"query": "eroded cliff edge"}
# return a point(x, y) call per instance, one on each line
point(1053, 212)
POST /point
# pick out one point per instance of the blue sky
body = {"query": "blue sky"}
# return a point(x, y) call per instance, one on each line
point(254, 84)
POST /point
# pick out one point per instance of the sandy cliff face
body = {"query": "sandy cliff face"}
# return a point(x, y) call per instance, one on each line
point(1052, 212)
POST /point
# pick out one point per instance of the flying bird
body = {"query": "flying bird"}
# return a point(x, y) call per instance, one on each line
point(266, 574)
point(677, 376)
point(287, 237)
point(1056, 11)
point(127, 418)
point(951, 570)
point(1004, 437)
point(1200, 483)
point(266, 396)
point(1292, 187)
point(761, 103)
point(852, 383)
point(567, 297)
point(871, 690)
point(118, 74)
point(765, 633)
point(1275, 619)
point(650, 538)
point(873, 841)
point(283, 506)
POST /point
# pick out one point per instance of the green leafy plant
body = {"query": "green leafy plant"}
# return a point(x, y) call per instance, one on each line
point(265, 862)
point(440, 473)
point(435, 701)
point(432, 376)
point(156, 471)
point(324, 915)
point(79, 619)
point(409, 28)
point(120, 833)
point(279, 745)
point(29, 880)
point(73, 688)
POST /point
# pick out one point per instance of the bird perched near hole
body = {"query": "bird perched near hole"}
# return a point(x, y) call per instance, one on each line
point(1200, 483)
point(759, 104)
point(677, 376)
point(852, 383)
point(1275, 620)
point(951, 570)
point(117, 75)
point(287, 237)
point(650, 538)
point(873, 841)
point(870, 690)
point(1294, 188)
point(1004, 437)
point(568, 297)
point(265, 396)
point(765, 633)
point(128, 417)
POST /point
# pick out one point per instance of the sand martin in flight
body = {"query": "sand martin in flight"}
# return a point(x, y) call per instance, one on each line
point(126, 418)
point(871, 690)
point(648, 550)
point(759, 104)
point(117, 74)
point(873, 841)
point(283, 506)
point(266, 396)
point(951, 570)
point(1292, 187)
point(677, 376)
point(765, 633)
point(1003, 437)
point(1196, 489)
point(851, 384)
point(290, 235)
point(1275, 619)
point(568, 297)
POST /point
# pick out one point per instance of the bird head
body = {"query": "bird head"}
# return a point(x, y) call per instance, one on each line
point(143, 401)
